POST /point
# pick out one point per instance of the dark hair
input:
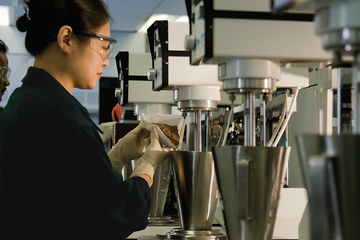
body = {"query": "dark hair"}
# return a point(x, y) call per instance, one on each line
point(43, 19)
point(3, 47)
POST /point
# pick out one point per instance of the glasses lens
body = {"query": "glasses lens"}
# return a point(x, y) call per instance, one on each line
point(103, 47)
point(5, 73)
point(110, 49)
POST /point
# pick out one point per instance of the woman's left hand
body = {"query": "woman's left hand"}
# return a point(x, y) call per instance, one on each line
point(130, 147)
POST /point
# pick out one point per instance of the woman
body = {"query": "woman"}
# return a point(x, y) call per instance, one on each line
point(56, 180)
point(4, 70)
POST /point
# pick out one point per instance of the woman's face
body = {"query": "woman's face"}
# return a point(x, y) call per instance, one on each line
point(87, 66)
point(3, 82)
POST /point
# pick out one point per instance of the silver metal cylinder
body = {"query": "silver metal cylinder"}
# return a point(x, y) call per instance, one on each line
point(252, 119)
point(249, 120)
point(341, 39)
point(356, 94)
point(242, 85)
point(246, 120)
point(197, 132)
point(193, 105)
point(207, 116)
point(339, 102)
point(264, 119)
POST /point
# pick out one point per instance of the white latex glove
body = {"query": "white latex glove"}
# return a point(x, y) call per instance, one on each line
point(130, 147)
point(107, 129)
point(153, 156)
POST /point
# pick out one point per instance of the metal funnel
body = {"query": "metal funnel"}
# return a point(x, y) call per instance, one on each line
point(196, 188)
point(250, 181)
point(330, 168)
point(159, 190)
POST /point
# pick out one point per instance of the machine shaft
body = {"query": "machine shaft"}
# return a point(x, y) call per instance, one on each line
point(339, 103)
point(197, 131)
point(264, 120)
point(356, 94)
point(249, 120)
point(207, 131)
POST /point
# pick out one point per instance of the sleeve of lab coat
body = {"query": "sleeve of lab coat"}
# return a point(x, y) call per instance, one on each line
point(78, 179)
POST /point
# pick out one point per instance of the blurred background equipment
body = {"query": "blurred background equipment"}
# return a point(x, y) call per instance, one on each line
point(250, 45)
point(330, 163)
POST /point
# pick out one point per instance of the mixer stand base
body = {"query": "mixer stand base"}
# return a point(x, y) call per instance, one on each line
point(158, 237)
point(157, 221)
point(178, 233)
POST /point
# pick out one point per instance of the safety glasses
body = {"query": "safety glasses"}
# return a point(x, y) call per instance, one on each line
point(5, 73)
point(104, 46)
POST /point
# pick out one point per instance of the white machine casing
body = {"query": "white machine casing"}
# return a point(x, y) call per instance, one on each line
point(136, 89)
point(141, 91)
point(172, 69)
point(249, 30)
point(179, 71)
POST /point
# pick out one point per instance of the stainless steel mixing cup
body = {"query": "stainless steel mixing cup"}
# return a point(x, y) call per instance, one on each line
point(330, 168)
point(250, 180)
point(195, 188)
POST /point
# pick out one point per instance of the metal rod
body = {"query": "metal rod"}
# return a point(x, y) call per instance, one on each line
point(288, 94)
point(207, 129)
point(197, 132)
point(356, 94)
point(249, 120)
point(339, 102)
point(246, 120)
point(264, 119)
point(252, 120)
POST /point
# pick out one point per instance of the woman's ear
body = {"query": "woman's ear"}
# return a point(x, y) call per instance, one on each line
point(64, 38)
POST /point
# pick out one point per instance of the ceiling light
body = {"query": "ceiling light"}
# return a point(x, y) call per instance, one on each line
point(159, 17)
point(4, 16)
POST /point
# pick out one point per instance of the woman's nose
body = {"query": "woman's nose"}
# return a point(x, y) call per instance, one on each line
point(106, 63)
point(6, 81)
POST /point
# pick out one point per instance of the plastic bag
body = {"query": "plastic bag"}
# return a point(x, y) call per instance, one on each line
point(150, 120)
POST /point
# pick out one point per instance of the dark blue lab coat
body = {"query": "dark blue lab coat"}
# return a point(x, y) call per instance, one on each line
point(57, 182)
